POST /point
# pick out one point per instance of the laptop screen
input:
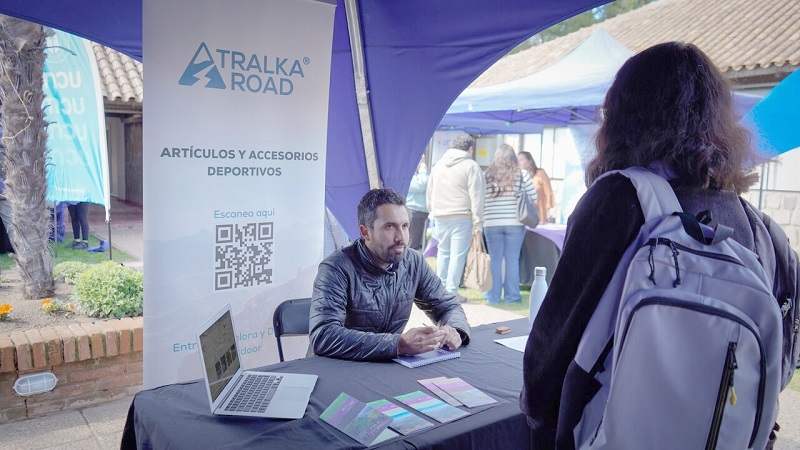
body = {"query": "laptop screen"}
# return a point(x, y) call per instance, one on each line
point(220, 359)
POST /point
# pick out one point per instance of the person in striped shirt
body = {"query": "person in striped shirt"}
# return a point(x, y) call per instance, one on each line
point(504, 233)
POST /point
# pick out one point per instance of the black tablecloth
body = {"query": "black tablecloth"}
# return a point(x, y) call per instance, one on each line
point(177, 416)
point(537, 250)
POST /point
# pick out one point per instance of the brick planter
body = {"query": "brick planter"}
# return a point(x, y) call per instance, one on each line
point(94, 363)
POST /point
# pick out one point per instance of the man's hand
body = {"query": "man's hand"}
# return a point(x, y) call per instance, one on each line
point(421, 340)
point(452, 338)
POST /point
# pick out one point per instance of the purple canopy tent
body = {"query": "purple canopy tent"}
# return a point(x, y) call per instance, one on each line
point(413, 58)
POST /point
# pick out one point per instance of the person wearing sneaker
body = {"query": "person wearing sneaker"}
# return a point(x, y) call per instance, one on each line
point(455, 198)
point(363, 292)
point(79, 216)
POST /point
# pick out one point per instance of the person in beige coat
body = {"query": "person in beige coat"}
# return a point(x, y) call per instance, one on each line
point(455, 197)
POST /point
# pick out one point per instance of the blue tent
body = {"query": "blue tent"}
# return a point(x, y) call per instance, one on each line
point(415, 56)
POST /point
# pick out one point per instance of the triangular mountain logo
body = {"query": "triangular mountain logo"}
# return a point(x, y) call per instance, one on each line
point(202, 64)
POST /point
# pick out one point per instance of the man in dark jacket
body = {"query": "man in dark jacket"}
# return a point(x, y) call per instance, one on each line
point(363, 293)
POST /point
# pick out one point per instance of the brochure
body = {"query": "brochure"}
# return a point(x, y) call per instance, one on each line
point(464, 392)
point(429, 384)
point(355, 419)
point(403, 421)
point(431, 407)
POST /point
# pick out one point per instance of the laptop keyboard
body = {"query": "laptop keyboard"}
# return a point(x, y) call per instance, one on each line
point(254, 393)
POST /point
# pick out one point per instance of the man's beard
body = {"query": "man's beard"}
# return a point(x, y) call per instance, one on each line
point(393, 258)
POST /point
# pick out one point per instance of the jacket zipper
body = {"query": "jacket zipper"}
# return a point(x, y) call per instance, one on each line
point(725, 387)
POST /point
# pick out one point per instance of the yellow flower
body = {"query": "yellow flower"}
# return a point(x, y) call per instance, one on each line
point(5, 309)
point(46, 302)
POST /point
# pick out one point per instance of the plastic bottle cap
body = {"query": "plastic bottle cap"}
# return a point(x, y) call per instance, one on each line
point(540, 271)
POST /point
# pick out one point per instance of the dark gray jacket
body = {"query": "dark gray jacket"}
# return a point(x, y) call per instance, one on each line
point(360, 309)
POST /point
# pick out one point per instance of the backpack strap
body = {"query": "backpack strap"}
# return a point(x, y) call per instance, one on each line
point(656, 196)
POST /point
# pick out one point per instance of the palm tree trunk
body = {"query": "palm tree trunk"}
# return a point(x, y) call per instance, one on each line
point(24, 137)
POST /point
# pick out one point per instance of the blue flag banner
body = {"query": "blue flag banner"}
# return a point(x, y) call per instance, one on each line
point(774, 119)
point(78, 168)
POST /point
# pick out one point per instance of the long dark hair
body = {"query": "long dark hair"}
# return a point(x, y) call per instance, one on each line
point(503, 172)
point(528, 157)
point(670, 106)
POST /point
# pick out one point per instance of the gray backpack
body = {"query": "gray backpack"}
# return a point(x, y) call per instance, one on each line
point(686, 341)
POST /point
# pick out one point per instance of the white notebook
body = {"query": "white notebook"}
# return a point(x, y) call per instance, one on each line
point(423, 359)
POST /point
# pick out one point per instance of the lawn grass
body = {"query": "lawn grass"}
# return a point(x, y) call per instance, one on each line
point(474, 296)
point(64, 253)
point(795, 383)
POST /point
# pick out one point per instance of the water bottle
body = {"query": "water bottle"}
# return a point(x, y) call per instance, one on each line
point(538, 289)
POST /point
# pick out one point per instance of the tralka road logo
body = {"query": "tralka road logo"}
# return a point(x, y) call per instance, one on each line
point(251, 73)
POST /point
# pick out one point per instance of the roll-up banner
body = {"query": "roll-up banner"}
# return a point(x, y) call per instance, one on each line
point(78, 167)
point(235, 130)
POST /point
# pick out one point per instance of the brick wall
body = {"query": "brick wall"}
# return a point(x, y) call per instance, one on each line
point(784, 208)
point(94, 363)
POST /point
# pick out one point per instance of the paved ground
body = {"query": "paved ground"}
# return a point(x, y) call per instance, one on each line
point(100, 427)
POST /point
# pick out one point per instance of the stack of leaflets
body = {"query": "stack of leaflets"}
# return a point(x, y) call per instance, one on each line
point(432, 407)
point(457, 392)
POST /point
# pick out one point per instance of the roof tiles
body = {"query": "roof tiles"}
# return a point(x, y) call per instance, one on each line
point(736, 34)
point(120, 74)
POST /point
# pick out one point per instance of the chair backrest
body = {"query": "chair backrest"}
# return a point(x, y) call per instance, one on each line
point(290, 317)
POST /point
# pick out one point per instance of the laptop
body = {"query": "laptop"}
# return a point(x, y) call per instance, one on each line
point(236, 392)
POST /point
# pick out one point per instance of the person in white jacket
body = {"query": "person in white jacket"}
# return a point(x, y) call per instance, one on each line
point(455, 197)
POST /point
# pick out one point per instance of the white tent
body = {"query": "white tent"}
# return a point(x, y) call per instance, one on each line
point(566, 93)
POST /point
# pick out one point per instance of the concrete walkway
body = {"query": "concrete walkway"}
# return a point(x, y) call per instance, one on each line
point(100, 427)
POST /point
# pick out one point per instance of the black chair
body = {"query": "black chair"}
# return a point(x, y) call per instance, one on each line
point(291, 318)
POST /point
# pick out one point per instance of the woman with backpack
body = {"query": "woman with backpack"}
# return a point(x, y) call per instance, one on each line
point(669, 111)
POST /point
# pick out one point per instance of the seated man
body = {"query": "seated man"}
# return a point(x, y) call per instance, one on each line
point(363, 292)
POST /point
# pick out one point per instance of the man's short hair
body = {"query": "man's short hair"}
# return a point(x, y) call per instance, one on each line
point(368, 206)
point(463, 142)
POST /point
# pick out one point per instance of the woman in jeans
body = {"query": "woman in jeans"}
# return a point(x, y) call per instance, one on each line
point(504, 233)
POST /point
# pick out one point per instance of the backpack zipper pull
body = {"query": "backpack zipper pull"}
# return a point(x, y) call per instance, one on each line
point(677, 269)
point(652, 262)
point(733, 366)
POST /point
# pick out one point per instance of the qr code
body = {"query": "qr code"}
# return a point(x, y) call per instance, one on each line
point(243, 255)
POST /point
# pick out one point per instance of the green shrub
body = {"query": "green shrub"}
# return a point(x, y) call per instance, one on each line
point(68, 271)
point(109, 290)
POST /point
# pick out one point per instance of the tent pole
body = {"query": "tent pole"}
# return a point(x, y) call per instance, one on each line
point(109, 234)
point(362, 94)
